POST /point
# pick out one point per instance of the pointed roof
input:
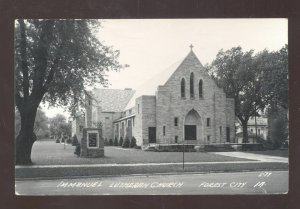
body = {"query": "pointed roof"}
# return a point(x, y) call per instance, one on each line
point(112, 100)
point(150, 86)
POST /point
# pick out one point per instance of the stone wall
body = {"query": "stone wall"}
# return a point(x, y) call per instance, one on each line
point(138, 125)
point(148, 112)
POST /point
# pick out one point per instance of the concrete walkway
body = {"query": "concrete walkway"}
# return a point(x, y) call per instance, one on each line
point(257, 157)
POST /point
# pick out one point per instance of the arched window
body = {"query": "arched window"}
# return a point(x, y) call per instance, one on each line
point(192, 85)
point(200, 88)
point(182, 88)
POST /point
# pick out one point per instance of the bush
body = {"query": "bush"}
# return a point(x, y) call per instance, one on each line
point(74, 140)
point(106, 143)
point(121, 142)
point(69, 140)
point(126, 143)
point(77, 150)
point(57, 140)
point(110, 142)
point(116, 142)
point(132, 142)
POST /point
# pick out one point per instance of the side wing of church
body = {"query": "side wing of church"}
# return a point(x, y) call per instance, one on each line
point(186, 107)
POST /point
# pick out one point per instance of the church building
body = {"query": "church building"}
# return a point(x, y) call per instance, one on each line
point(181, 104)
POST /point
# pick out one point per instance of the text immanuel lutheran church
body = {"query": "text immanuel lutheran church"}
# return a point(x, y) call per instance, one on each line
point(181, 103)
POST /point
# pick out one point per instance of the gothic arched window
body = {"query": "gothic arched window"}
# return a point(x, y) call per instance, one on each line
point(192, 85)
point(182, 88)
point(200, 88)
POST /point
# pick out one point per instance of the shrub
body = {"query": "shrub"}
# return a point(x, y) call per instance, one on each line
point(57, 140)
point(121, 142)
point(69, 140)
point(126, 143)
point(106, 143)
point(132, 142)
point(116, 142)
point(110, 142)
point(77, 150)
point(74, 140)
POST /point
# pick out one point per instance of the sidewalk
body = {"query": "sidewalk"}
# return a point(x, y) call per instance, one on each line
point(257, 157)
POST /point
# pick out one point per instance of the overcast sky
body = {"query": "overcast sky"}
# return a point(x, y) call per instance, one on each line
point(150, 46)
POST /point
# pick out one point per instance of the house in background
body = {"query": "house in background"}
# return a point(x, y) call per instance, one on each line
point(261, 126)
point(181, 104)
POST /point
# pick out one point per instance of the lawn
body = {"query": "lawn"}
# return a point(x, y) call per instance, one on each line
point(51, 153)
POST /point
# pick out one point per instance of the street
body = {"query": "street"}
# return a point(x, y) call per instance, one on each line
point(265, 182)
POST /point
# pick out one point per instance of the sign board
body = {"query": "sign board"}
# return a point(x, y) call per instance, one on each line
point(92, 139)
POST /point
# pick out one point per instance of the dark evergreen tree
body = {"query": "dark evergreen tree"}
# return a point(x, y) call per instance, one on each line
point(74, 140)
point(116, 143)
point(132, 142)
point(110, 142)
point(126, 142)
point(121, 141)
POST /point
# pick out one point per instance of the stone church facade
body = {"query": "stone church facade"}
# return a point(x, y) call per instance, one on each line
point(186, 106)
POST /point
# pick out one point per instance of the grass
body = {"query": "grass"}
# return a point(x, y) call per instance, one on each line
point(51, 153)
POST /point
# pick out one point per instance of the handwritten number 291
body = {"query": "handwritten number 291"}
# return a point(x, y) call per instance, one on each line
point(265, 174)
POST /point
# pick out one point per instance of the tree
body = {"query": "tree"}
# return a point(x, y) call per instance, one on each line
point(132, 142)
point(275, 89)
point(116, 143)
point(277, 126)
point(54, 60)
point(74, 140)
point(126, 142)
point(275, 77)
point(40, 125)
point(236, 71)
point(58, 125)
point(121, 141)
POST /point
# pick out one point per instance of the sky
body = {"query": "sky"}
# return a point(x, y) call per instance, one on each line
point(149, 46)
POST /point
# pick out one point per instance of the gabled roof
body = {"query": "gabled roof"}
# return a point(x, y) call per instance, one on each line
point(260, 121)
point(150, 86)
point(112, 100)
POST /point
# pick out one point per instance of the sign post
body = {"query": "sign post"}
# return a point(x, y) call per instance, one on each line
point(183, 155)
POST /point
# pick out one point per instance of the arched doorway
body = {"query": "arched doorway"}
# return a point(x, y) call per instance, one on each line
point(192, 126)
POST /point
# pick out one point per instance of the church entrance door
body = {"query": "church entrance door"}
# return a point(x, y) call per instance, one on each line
point(192, 125)
point(190, 132)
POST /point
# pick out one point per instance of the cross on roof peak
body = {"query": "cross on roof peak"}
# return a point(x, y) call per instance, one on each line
point(191, 46)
